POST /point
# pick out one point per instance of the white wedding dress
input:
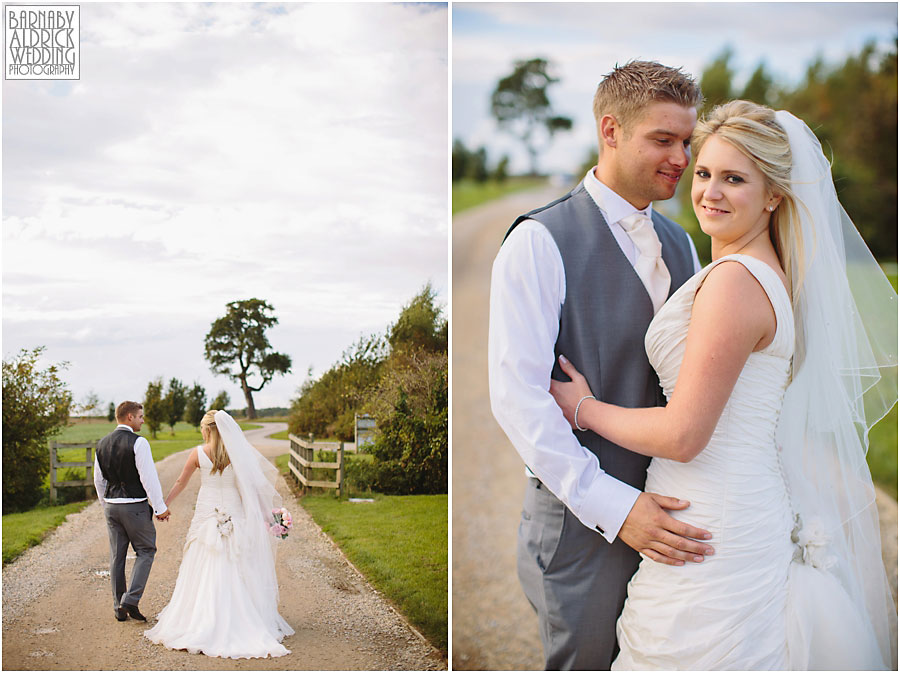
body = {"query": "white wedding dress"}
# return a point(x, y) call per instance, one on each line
point(214, 609)
point(744, 607)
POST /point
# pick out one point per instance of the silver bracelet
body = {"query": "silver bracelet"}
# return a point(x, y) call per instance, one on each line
point(577, 407)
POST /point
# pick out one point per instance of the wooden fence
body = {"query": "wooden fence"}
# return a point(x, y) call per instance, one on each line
point(87, 482)
point(301, 462)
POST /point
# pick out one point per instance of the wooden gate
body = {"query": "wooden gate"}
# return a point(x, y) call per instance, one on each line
point(301, 462)
point(87, 482)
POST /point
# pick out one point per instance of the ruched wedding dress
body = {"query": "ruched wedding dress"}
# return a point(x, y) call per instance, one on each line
point(215, 608)
point(727, 611)
point(746, 606)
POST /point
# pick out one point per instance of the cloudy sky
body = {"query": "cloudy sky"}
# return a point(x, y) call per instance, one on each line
point(585, 40)
point(212, 152)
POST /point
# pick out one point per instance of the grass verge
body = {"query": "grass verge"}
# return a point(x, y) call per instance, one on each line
point(400, 544)
point(26, 529)
point(468, 193)
point(882, 455)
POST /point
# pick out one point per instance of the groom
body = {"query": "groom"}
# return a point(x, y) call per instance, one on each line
point(583, 277)
point(125, 478)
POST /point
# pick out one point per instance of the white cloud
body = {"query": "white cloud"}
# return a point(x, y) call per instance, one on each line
point(214, 152)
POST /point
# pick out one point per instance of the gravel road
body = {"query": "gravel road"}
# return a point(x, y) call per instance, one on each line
point(494, 628)
point(57, 612)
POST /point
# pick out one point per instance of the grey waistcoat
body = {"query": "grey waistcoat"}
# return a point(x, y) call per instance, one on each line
point(606, 314)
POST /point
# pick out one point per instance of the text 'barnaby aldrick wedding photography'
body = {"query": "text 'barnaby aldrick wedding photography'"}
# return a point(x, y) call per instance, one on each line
point(42, 41)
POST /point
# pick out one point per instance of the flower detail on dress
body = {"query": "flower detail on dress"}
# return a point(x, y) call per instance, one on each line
point(223, 523)
point(812, 542)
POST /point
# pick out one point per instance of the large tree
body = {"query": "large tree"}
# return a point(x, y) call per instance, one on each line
point(36, 403)
point(521, 106)
point(237, 347)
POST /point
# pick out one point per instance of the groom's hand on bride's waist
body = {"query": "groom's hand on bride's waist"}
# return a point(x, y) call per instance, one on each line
point(649, 529)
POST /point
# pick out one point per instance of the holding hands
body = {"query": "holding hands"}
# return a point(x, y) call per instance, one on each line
point(164, 516)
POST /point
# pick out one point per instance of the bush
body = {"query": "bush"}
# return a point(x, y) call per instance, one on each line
point(36, 404)
point(410, 407)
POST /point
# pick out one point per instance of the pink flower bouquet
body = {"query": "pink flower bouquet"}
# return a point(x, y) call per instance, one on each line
point(282, 522)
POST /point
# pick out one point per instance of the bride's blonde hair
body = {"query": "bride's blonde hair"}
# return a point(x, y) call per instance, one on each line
point(211, 436)
point(753, 130)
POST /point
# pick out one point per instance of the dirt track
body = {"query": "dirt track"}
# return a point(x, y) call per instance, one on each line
point(57, 608)
point(494, 628)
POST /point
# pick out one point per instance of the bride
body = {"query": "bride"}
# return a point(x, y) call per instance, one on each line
point(775, 359)
point(225, 602)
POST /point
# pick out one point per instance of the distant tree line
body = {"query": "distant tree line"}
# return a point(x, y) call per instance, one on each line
point(166, 405)
point(473, 165)
point(399, 378)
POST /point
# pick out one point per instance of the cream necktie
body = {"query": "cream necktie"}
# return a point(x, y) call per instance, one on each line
point(650, 267)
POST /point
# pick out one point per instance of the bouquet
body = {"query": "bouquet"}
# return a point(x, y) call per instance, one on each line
point(281, 523)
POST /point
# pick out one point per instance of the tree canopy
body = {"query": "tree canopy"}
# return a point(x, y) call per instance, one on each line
point(36, 404)
point(401, 380)
point(195, 405)
point(154, 406)
point(237, 347)
point(521, 106)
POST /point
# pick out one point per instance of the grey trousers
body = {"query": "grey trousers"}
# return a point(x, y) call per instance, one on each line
point(130, 523)
point(574, 579)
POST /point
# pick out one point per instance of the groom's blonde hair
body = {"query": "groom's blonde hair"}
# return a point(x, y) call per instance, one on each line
point(219, 457)
point(753, 130)
point(626, 92)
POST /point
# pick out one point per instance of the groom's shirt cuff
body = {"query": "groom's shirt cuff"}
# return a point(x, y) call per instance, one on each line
point(607, 505)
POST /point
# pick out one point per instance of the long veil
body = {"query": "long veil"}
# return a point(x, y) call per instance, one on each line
point(844, 380)
point(255, 477)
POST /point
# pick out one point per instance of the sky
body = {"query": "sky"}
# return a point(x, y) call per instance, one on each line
point(584, 41)
point(215, 152)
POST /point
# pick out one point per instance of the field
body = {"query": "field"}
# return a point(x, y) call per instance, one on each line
point(882, 456)
point(400, 544)
point(468, 193)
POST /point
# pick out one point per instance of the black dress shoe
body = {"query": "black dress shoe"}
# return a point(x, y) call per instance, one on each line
point(134, 612)
point(121, 614)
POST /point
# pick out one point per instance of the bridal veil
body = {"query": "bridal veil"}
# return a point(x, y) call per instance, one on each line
point(255, 477)
point(844, 380)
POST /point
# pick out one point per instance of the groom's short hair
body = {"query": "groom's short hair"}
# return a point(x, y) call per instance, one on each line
point(127, 407)
point(628, 89)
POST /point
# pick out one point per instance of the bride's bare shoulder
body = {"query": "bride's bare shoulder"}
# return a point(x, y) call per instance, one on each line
point(733, 295)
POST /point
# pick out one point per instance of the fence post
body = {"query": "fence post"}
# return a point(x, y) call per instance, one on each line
point(340, 471)
point(88, 473)
point(52, 473)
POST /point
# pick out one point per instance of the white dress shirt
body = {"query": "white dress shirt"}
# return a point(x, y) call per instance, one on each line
point(143, 460)
point(528, 288)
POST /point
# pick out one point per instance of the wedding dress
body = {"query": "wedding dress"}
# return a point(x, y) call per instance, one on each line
point(727, 612)
point(740, 608)
point(219, 607)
